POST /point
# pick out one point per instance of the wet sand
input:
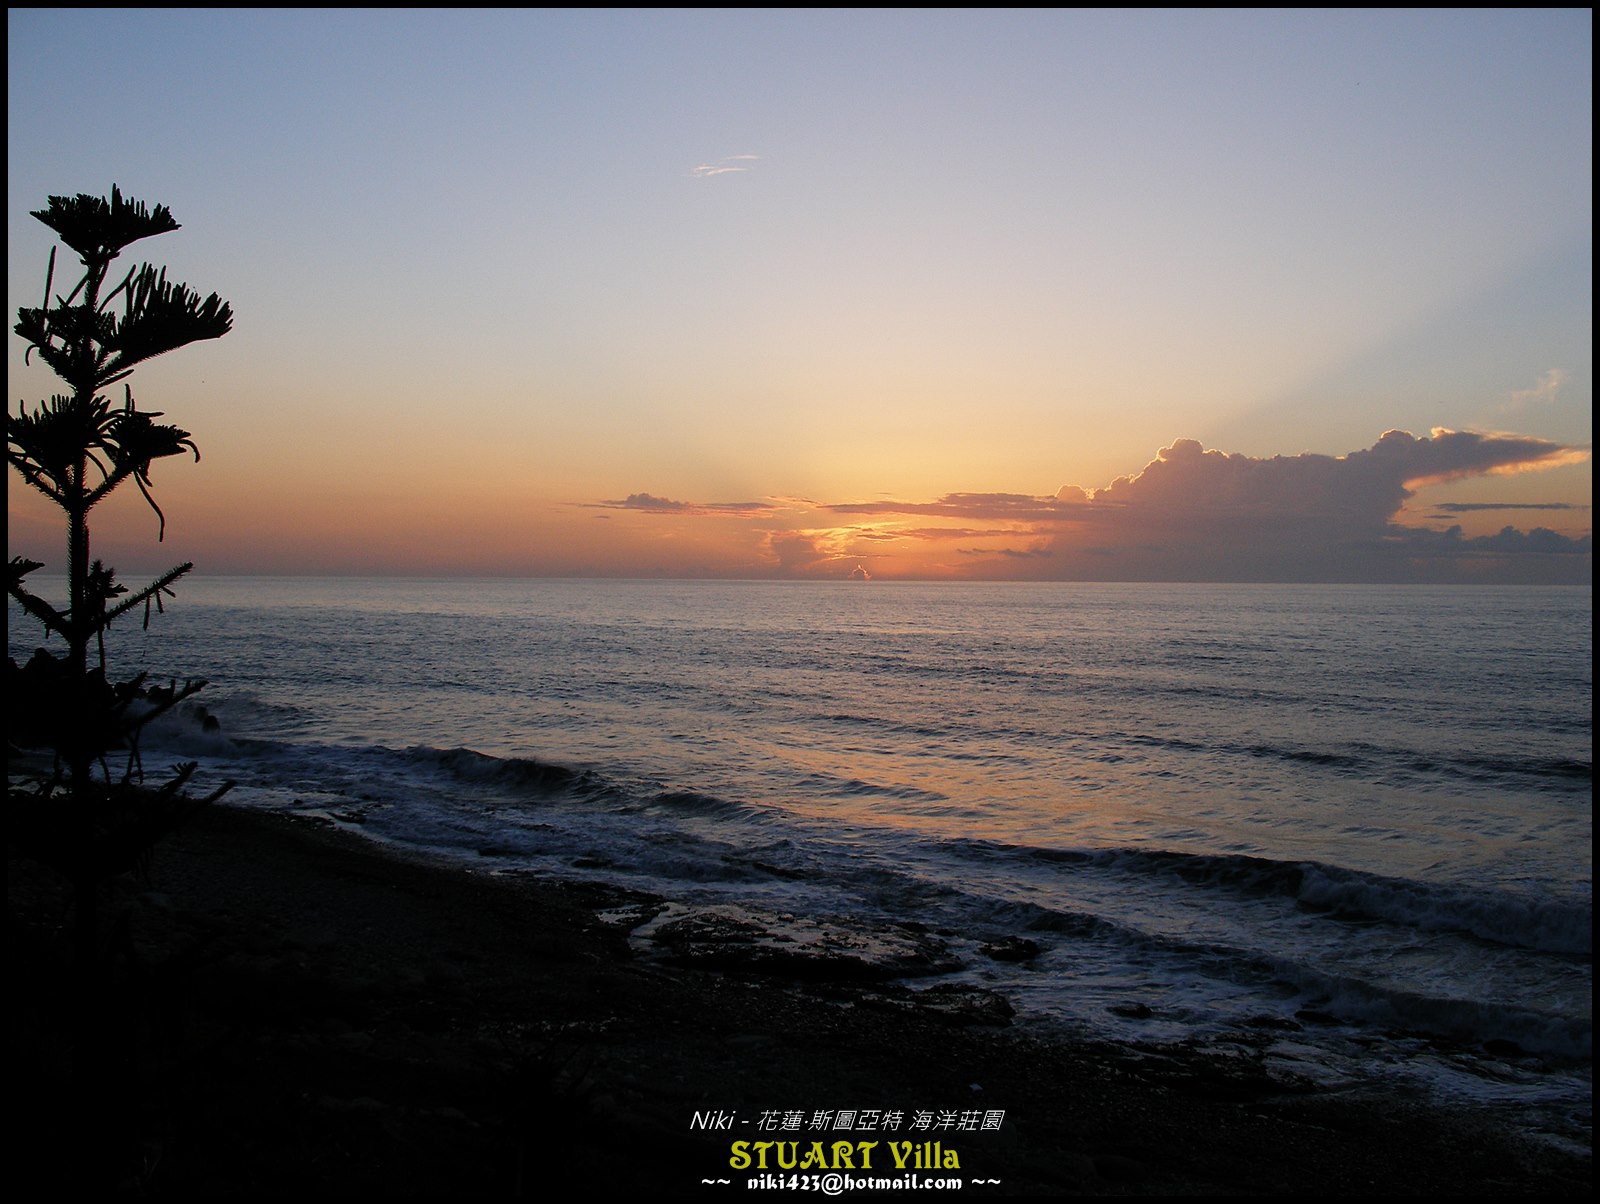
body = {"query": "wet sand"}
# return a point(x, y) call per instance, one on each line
point(291, 1010)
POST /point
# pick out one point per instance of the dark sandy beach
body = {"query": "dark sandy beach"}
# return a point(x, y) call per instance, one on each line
point(295, 1011)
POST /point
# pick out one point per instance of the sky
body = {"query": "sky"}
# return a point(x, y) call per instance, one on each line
point(1042, 295)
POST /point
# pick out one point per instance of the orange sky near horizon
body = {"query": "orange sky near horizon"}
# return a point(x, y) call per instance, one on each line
point(1385, 513)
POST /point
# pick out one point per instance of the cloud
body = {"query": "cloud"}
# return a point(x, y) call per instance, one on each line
point(1540, 540)
point(1543, 393)
point(648, 503)
point(1191, 514)
point(1469, 507)
point(803, 553)
point(1508, 541)
point(1456, 455)
point(947, 533)
point(1185, 478)
point(1010, 553)
point(723, 166)
point(1206, 515)
point(1017, 507)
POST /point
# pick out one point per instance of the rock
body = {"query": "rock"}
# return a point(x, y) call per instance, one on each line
point(808, 950)
point(1312, 1016)
point(967, 1005)
point(1280, 1024)
point(1012, 949)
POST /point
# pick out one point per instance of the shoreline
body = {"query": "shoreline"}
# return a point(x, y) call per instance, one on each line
point(305, 1010)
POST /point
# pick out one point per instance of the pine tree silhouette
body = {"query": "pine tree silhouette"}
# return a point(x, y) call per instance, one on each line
point(79, 815)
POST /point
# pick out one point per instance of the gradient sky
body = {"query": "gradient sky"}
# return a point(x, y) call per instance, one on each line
point(1079, 295)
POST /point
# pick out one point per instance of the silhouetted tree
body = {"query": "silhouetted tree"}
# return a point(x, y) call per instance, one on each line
point(79, 815)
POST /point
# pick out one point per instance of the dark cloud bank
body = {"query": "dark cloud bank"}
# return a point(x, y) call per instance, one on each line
point(1198, 515)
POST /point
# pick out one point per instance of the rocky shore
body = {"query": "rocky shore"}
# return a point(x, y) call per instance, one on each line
point(285, 1009)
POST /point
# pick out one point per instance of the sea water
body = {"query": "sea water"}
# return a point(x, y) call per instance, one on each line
point(1345, 830)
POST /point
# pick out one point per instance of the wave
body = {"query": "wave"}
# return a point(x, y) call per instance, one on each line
point(1503, 917)
point(542, 812)
point(1377, 761)
point(1317, 994)
point(1529, 1029)
point(521, 776)
point(829, 784)
point(692, 802)
point(1499, 916)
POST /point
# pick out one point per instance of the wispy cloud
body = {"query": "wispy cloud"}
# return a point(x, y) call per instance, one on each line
point(803, 553)
point(946, 534)
point(732, 163)
point(1543, 393)
point(1033, 553)
point(648, 503)
point(1016, 507)
point(1470, 507)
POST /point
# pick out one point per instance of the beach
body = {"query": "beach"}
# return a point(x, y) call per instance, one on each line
point(296, 1009)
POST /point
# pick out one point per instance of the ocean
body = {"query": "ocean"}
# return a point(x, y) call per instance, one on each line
point(1341, 830)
